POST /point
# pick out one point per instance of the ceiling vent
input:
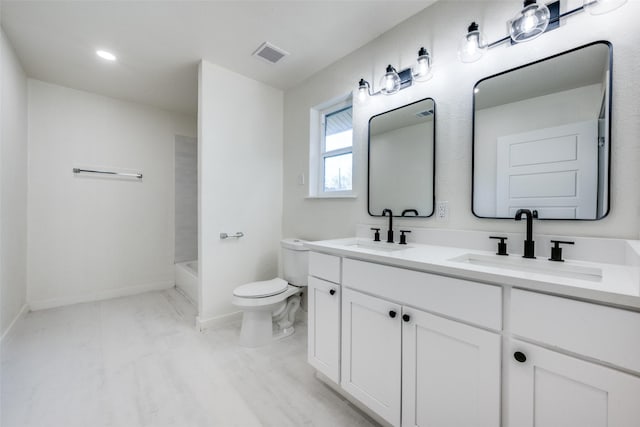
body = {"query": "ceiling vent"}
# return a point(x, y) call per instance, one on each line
point(270, 53)
point(426, 113)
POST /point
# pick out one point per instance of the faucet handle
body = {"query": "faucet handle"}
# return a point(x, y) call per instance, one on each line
point(403, 238)
point(502, 246)
point(376, 236)
point(556, 250)
point(534, 214)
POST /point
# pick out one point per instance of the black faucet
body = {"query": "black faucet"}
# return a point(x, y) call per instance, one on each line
point(390, 232)
point(529, 244)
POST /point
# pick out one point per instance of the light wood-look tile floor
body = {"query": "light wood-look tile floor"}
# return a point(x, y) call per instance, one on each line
point(138, 361)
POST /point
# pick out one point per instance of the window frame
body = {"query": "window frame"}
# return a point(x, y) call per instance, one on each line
point(322, 154)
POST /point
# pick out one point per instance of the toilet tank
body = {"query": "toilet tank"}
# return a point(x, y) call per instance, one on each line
point(295, 261)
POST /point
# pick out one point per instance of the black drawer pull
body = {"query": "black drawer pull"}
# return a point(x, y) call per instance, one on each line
point(392, 314)
point(332, 291)
point(406, 317)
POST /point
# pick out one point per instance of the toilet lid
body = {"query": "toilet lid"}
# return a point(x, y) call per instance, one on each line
point(262, 289)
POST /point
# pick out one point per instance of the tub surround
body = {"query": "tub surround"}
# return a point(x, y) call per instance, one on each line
point(443, 331)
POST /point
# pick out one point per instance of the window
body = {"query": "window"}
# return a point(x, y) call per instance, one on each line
point(335, 162)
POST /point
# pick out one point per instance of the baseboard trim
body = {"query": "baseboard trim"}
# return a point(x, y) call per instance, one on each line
point(99, 296)
point(23, 311)
point(203, 323)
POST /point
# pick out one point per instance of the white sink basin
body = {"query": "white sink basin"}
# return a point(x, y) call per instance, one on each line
point(539, 266)
point(378, 246)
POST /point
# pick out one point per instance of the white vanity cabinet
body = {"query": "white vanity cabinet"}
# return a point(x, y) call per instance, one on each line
point(548, 388)
point(324, 298)
point(424, 342)
point(414, 368)
point(551, 389)
point(450, 373)
point(371, 353)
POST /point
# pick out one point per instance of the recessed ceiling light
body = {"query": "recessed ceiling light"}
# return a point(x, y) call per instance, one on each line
point(106, 55)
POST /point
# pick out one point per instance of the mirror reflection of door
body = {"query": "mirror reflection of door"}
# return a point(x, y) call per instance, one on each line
point(553, 170)
point(401, 160)
point(541, 137)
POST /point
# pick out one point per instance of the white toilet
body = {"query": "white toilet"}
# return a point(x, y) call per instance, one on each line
point(272, 304)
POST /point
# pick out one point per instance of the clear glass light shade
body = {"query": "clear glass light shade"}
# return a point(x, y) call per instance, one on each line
point(363, 90)
point(362, 93)
point(421, 70)
point(390, 82)
point(599, 7)
point(530, 23)
point(472, 47)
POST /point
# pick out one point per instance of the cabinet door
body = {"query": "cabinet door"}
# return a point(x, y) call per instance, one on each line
point(324, 327)
point(549, 389)
point(371, 346)
point(450, 373)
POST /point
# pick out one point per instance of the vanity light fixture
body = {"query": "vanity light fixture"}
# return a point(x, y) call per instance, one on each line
point(532, 21)
point(364, 89)
point(472, 46)
point(421, 70)
point(394, 81)
point(390, 82)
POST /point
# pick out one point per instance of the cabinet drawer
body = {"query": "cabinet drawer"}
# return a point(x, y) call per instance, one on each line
point(460, 299)
point(324, 266)
point(604, 333)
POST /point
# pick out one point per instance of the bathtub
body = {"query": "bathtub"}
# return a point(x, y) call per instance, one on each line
point(187, 279)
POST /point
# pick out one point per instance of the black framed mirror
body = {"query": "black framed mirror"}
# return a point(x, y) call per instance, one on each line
point(542, 137)
point(402, 160)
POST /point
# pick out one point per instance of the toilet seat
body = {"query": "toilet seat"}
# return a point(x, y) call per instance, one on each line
point(262, 289)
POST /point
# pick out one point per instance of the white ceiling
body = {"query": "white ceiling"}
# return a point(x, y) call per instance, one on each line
point(159, 43)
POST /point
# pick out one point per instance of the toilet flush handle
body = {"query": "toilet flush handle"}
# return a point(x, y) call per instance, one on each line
point(238, 235)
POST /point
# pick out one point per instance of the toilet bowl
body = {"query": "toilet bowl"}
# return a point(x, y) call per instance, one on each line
point(269, 307)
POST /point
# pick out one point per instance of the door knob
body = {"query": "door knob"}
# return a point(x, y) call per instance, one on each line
point(392, 314)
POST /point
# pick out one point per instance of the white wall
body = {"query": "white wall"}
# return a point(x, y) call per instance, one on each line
point(92, 237)
point(13, 186)
point(186, 199)
point(240, 185)
point(439, 28)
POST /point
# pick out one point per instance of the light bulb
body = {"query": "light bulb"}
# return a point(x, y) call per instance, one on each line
point(529, 22)
point(106, 55)
point(472, 46)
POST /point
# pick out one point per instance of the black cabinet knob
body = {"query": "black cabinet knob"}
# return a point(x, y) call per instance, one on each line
point(332, 291)
point(392, 314)
point(520, 356)
point(406, 317)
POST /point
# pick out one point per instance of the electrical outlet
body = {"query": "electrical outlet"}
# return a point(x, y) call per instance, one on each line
point(301, 179)
point(442, 211)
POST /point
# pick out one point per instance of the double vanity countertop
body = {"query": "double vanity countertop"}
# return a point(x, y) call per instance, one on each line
point(611, 284)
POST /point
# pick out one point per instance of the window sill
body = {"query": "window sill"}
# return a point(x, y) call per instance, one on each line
point(333, 196)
